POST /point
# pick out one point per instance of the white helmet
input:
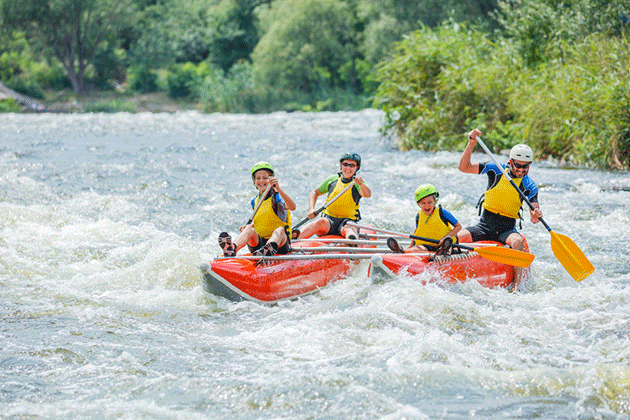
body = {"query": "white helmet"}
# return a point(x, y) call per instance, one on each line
point(522, 152)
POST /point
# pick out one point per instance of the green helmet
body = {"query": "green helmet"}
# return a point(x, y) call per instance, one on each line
point(425, 190)
point(262, 165)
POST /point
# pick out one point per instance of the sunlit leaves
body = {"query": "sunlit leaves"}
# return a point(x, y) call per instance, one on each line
point(441, 83)
point(308, 43)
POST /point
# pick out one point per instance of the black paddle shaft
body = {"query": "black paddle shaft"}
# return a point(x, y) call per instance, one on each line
point(531, 206)
point(306, 219)
point(435, 241)
point(319, 210)
point(521, 193)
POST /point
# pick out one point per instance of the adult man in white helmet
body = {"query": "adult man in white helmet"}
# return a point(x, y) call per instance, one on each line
point(501, 203)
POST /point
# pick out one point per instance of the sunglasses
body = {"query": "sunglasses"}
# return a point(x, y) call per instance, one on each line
point(519, 166)
point(349, 165)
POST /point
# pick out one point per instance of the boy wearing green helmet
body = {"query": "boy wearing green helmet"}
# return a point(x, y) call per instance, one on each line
point(344, 208)
point(268, 233)
point(431, 222)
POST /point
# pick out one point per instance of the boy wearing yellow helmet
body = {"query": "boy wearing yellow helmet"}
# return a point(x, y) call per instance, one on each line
point(346, 207)
point(431, 223)
point(502, 203)
point(270, 229)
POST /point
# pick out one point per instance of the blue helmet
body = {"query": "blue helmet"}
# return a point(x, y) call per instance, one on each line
point(352, 156)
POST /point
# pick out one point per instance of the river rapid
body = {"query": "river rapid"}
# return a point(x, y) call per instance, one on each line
point(105, 219)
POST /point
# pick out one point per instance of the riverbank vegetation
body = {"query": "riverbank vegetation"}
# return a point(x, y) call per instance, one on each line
point(220, 55)
point(557, 78)
point(550, 73)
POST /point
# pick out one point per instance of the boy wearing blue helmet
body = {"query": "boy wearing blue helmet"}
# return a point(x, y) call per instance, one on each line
point(334, 217)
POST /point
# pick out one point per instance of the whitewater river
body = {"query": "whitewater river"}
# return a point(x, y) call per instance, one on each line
point(105, 219)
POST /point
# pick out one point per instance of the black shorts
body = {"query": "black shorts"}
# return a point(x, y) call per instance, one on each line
point(336, 224)
point(492, 227)
point(284, 249)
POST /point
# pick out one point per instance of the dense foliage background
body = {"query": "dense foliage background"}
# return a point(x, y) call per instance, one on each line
point(551, 73)
point(556, 77)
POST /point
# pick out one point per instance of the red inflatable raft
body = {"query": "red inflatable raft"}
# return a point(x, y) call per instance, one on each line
point(451, 269)
point(280, 277)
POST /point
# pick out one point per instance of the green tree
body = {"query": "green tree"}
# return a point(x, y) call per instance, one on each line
point(389, 20)
point(442, 81)
point(152, 46)
point(69, 30)
point(543, 29)
point(164, 33)
point(305, 44)
point(233, 31)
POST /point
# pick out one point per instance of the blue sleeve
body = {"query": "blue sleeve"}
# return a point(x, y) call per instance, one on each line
point(449, 217)
point(531, 189)
point(278, 199)
point(254, 202)
point(488, 167)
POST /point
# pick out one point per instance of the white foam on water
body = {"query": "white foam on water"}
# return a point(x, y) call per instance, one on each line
point(105, 219)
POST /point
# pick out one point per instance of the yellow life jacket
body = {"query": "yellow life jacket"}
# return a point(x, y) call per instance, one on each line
point(345, 206)
point(503, 198)
point(432, 227)
point(266, 220)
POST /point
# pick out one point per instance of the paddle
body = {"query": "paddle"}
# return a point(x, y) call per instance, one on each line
point(497, 254)
point(262, 198)
point(328, 203)
point(337, 241)
point(310, 257)
point(566, 251)
point(351, 249)
point(377, 241)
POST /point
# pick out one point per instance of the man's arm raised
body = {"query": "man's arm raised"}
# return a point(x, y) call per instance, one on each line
point(464, 162)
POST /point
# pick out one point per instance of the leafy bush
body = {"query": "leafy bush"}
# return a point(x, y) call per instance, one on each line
point(238, 92)
point(306, 44)
point(26, 86)
point(442, 83)
point(232, 93)
point(183, 79)
point(31, 73)
point(544, 29)
point(9, 65)
point(110, 106)
point(142, 79)
point(51, 77)
point(108, 67)
point(580, 111)
point(9, 105)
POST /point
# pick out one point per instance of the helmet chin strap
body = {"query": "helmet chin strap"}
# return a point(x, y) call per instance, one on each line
point(343, 178)
point(512, 173)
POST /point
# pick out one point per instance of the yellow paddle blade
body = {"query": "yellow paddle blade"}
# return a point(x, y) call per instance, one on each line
point(506, 256)
point(571, 257)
